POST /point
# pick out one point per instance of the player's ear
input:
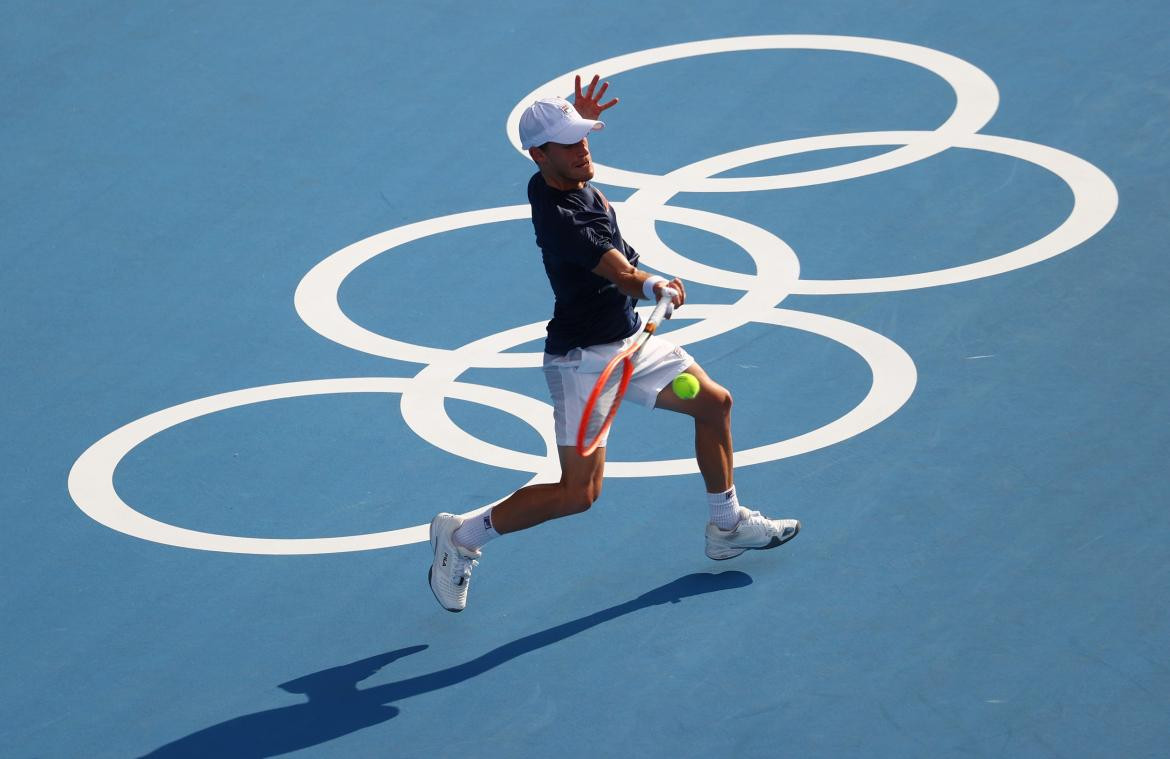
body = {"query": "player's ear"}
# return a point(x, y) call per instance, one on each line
point(536, 154)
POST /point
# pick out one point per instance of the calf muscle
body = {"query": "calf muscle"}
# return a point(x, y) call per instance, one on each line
point(578, 489)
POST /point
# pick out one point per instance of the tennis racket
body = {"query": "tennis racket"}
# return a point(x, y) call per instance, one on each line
point(615, 378)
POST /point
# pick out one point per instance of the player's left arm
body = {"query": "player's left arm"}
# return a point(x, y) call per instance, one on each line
point(631, 282)
point(588, 104)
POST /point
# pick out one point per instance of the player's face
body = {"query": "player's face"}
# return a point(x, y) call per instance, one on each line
point(571, 164)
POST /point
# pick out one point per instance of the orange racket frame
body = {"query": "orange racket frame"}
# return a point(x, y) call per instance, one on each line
point(625, 360)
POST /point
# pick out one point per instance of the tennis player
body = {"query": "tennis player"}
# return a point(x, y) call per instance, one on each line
point(595, 279)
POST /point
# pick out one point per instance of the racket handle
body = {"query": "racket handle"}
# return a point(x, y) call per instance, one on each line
point(664, 308)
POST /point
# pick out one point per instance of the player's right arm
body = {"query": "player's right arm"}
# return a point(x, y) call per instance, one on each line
point(614, 267)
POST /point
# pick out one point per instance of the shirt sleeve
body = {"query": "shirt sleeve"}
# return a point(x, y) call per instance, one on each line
point(586, 236)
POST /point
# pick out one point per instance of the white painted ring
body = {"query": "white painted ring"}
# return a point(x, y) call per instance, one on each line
point(777, 273)
point(91, 480)
point(976, 100)
point(316, 298)
point(1094, 204)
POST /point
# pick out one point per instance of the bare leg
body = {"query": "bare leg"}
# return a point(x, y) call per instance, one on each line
point(711, 410)
point(579, 487)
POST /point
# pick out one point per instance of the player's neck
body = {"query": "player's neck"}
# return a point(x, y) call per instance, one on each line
point(561, 183)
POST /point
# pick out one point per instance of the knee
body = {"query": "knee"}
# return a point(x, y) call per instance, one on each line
point(718, 409)
point(579, 499)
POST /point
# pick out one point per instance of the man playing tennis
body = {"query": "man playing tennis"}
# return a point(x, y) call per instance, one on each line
point(595, 279)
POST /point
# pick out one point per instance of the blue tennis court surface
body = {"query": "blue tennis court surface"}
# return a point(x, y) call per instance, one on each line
point(271, 300)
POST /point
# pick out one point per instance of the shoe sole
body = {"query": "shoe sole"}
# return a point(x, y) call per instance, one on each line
point(776, 543)
point(431, 569)
point(436, 595)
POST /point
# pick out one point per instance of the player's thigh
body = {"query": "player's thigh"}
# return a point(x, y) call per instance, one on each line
point(582, 472)
point(712, 402)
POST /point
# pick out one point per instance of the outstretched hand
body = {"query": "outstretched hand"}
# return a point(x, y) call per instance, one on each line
point(589, 104)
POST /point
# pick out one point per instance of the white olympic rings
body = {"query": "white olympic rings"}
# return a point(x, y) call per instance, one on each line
point(777, 274)
point(976, 100)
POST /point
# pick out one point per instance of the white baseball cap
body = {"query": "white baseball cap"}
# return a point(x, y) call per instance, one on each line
point(554, 120)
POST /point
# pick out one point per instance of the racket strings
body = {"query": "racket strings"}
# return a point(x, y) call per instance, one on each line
point(606, 399)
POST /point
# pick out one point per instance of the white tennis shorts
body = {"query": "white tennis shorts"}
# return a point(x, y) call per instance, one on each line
point(571, 378)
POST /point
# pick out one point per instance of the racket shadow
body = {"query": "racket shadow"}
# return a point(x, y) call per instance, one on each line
point(337, 707)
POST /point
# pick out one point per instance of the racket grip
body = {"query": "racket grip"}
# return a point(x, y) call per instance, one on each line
point(664, 308)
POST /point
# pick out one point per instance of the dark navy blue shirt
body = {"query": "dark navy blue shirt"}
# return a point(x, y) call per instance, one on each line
point(574, 228)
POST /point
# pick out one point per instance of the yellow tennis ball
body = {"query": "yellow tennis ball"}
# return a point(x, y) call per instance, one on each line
point(685, 386)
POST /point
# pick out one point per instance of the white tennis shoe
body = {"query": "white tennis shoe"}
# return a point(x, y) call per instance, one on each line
point(753, 532)
point(450, 572)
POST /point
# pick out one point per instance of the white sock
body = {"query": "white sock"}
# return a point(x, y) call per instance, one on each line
point(724, 508)
point(475, 531)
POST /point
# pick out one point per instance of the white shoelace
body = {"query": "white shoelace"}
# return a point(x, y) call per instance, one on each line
point(755, 517)
point(461, 566)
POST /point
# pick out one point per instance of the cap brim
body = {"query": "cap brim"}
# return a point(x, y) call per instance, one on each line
point(575, 131)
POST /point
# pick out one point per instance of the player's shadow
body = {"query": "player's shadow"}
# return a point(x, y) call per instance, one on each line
point(337, 707)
